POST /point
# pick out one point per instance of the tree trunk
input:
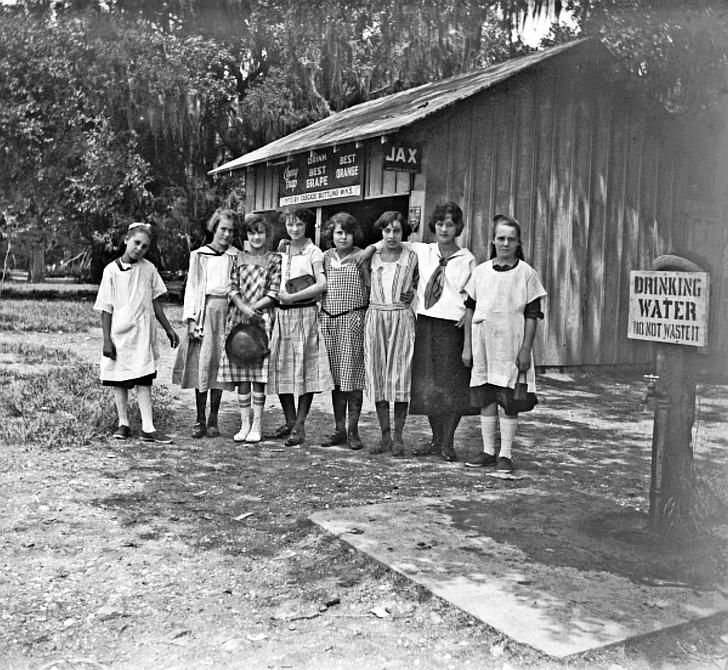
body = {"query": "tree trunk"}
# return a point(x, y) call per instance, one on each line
point(37, 270)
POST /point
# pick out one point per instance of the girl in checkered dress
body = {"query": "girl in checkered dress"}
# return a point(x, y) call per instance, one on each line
point(299, 365)
point(255, 280)
point(343, 310)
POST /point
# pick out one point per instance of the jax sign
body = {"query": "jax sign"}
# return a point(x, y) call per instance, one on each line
point(669, 307)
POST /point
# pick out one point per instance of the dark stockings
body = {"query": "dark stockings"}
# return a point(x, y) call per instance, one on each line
point(201, 404)
point(288, 405)
point(339, 400)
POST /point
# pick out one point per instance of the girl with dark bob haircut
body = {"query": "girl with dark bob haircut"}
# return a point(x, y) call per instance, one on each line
point(440, 214)
point(343, 310)
point(347, 223)
point(256, 223)
point(307, 216)
point(390, 217)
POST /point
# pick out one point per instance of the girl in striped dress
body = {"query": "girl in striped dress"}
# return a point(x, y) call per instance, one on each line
point(299, 365)
point(343, 310)
point(389, 333)
point(255, 280)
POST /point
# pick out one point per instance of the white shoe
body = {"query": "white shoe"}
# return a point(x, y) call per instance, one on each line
point(254, 432)
point(244, 425)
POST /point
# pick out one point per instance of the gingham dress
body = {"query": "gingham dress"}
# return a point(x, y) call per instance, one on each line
point(389, 331)
point(298, 360)
point(343, 311)
point(253, 278)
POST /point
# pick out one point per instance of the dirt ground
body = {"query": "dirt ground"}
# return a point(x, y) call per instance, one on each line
point(201, 554)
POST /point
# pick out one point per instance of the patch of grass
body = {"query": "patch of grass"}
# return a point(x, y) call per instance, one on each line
point(47, 316)
point(33, 354)
point(64, 406)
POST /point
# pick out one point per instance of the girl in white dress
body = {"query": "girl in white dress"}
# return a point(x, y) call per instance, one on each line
point(504, 305)
point(129, 301)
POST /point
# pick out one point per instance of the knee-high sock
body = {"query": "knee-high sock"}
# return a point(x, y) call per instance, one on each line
point(121, 399)
point(488, 428)
point(144, 398)
point(258, 404)
point(244, 406)
point(508, 429)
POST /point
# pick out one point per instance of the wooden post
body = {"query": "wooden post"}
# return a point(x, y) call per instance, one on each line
point(671, 489)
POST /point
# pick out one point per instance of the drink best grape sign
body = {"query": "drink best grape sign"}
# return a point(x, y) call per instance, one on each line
point(670, 307)
point(327, 174)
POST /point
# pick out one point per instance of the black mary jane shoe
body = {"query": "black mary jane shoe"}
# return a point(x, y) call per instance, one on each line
point(355, 442)
point(426, 448)
point(296, 437)
point(448, 453)
point(334, 439)
point(199, 430)
point(280, 432)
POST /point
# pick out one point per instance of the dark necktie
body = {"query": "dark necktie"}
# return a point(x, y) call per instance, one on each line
point(433, 290)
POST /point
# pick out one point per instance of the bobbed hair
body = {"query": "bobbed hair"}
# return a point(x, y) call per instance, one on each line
point(507, 221)
point(348, 224)
point(219, 214)
point(390, 217)
point(306, 215)
point(255, 222)
point(441, 210)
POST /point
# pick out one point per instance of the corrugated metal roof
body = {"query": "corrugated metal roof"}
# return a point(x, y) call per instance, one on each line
point(391, 113)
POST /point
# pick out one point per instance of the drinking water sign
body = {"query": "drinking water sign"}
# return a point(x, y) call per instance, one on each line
point(670, 307)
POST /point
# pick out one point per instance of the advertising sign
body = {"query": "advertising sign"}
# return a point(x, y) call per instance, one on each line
point(670, 307)
point(322, 175)
point(402, 156)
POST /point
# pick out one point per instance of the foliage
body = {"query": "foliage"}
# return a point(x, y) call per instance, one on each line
point(117, 109)
point(61, 406)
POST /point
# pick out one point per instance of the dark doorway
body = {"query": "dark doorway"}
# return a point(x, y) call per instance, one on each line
point(366, 212)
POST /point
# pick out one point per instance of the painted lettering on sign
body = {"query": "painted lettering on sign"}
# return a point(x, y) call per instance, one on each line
point(402, 156)
point(669, 307)
point(320, 175)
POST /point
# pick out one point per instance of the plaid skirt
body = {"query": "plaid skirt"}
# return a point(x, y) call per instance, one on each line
point(198, 361)
point(344, 339)
point(440, 380)
point(298, 360)
point(255, 372)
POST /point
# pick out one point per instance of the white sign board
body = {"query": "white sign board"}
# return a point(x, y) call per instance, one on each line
point(670, 307)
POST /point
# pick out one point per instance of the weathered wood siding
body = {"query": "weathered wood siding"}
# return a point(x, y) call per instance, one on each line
point(588, 173)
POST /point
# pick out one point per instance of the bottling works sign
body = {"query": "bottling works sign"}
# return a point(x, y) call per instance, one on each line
point(670, 307)
point(327, 174)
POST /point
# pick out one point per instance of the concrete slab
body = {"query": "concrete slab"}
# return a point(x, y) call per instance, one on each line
point(563, 574)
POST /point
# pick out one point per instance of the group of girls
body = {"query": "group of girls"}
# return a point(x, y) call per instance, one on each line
point(417, 325)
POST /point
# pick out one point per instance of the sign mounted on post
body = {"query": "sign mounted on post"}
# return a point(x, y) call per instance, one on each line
point(402, 156)
point(327, 174)
point(669, 307)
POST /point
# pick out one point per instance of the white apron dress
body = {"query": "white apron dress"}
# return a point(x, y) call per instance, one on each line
point(127, 292)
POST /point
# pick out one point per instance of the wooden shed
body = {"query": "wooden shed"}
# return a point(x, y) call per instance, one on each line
point(586, 167)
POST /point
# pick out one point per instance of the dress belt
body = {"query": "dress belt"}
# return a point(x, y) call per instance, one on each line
point(348, 311)
point(388, 307)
